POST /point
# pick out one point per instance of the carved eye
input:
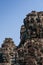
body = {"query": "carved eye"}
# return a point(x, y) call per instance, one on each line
point(38, 20)
point(32, 20)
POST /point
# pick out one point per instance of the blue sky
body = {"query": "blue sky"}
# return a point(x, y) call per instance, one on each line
point(12, 13)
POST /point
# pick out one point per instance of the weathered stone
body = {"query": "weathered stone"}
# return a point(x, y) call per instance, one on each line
point(30, 49)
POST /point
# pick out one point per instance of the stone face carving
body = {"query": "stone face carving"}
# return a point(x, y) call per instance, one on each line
point(31, 42)
point(7, 52)
point(30, 49)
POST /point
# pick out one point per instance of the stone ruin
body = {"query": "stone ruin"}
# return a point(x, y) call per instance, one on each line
point(30, 49)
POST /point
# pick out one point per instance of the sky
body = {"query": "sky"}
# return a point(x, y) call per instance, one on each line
point(12, 13)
